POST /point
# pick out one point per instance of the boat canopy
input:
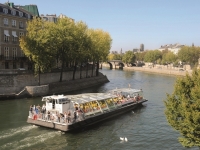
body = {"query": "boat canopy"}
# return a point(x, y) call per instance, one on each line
point(79, 98)
point(126, 91)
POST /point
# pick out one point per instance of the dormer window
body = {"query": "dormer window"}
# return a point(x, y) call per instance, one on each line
point(20, 14)
point(29, 16)
point(13, 12)
point(5, 11)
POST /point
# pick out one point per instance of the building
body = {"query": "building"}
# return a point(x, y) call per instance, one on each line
point(49, 18)
point(53, 17)
point(141, 47)
point(12, 28)
point(171, 47)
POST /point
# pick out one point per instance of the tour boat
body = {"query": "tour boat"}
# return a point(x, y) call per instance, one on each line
point(71, 112)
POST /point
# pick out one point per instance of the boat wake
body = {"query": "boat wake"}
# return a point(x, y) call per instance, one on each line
point(29, 141)
point(12, 132)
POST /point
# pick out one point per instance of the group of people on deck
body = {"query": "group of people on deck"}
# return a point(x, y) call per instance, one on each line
point(37, 112)
point(123, 98)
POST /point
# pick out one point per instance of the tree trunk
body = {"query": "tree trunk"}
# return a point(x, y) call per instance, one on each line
point(81, 70)
point(92, 68)
point(74, 71)
point(87, 70)
point(61, 71)
point(97, 69)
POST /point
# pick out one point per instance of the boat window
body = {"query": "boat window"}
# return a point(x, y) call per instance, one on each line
point(115, 100)
point(103, 104)
point(86, 107)
point(95, 106)
point(110, 103)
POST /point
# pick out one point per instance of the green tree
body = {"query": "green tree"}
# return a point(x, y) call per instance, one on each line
point(189, 55)
point(183, 109)
point(34, 45)
point(152, 56)
point(169, 57)
point(128, 57)
point(140, 56)
point(117, 57)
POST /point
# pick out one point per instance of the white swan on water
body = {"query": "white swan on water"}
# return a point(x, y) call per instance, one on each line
point(123, 139)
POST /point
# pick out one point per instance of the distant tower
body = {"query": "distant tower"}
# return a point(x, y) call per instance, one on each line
point(121, 51)
point(141, 47)
point(192, 44)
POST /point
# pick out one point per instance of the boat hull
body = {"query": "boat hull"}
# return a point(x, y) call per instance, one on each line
point(92, 120)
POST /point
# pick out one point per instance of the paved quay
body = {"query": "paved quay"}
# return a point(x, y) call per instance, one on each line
point(159, 71)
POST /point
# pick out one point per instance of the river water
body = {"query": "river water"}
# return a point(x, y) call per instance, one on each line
point(145, 128)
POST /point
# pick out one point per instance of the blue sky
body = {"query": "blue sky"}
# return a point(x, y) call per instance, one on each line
point(132, 22)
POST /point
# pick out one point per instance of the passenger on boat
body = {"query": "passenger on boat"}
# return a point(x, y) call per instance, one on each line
point(31, 111)
point(43, 111)
point(62, 118)
point(138, 97)
point(48, 115)
point(135, 98)
point(75, 116)
point(58, 116)
point(69, 117)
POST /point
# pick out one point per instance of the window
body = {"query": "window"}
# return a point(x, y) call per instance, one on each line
point(20, 14)
point(21, 34)
point(13, 12)
point(6, 65)
point(14, 52)
point(5, 21)
point(21, 25)
point(14, 36)
point(5, 11)
point(14, 23)
point(21, 65)
point(6, 52)
point(14, 65)
point(22, 54)
point(6, 35)
point(29, 16)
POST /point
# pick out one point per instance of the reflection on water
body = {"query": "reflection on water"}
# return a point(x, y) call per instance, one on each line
point(145, 128)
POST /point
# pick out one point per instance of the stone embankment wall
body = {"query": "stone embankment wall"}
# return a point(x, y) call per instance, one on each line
point(24, 84)
point(157, 69)
point(160, 71)
point(12, 82)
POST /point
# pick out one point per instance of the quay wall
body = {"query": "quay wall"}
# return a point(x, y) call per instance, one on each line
point(160, 71)
point(166, 71)
point(15, 84)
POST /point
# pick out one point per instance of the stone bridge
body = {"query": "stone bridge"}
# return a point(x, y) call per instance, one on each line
point(118, 64)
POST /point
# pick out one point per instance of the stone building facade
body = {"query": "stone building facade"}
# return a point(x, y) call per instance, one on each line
point(12, 27)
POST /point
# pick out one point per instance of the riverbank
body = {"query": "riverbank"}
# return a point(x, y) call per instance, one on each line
point(159, 71)
point(57, 87)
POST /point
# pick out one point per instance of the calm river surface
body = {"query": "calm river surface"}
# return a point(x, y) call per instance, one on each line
point(145, 128)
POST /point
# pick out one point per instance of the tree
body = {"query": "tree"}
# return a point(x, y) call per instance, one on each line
point(100, 45)
point(140, 56)
point(117, 57)
point(152, 56)
point(34, 45)
point(169, 57)
point(128, 57)
point(190, 55)
point(183, 109)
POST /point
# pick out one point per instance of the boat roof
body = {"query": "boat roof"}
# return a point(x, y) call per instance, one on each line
point(127, 90)
point(81, 98)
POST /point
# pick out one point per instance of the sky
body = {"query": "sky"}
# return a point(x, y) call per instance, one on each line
point(132, 22)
